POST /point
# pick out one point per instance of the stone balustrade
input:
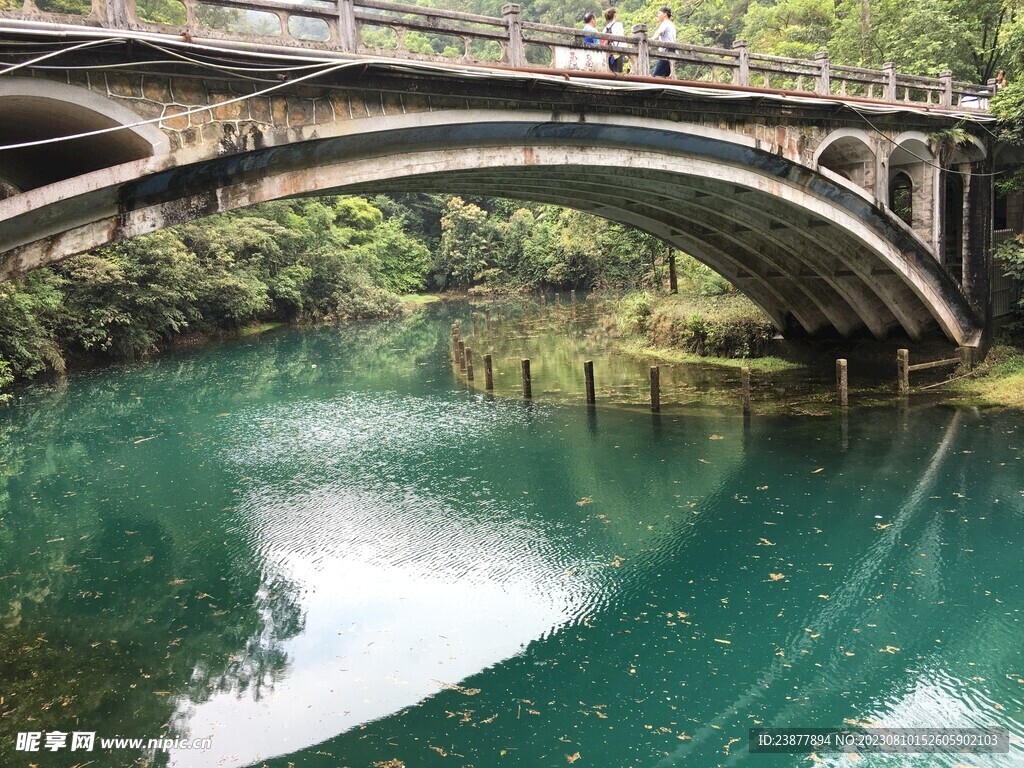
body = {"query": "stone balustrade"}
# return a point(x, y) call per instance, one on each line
point(395, 30)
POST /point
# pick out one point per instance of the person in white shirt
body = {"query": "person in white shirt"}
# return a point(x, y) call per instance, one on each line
point(613, 26)
point(665, 33)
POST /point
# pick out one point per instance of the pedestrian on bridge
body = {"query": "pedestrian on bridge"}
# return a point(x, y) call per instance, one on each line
point(665, 33)
point(613, 26)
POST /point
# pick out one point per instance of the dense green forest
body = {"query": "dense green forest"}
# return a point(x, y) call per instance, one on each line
point(350, 257)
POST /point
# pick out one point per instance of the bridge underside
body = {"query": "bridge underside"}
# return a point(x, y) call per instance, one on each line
point(818, 257)
point(806, 275)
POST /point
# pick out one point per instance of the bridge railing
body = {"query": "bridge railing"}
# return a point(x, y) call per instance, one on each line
point(384, 28)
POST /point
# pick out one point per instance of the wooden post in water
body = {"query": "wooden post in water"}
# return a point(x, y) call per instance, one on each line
point(488, 373)
point(526, 308)
point(487, 319)
point(588, 375)
point(462, 355)
point(903, 371)
point(527, 382)
point(655, 388)
point(842, 388)
point(558, 298)
point(572, 296)
point(474, 323)
point(543, 304)
point(673, 281)
point(469, 364)
point(745, 379)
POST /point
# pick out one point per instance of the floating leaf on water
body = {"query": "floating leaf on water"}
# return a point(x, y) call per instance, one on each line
point(776, 576)
point(573, 757)
point(723, 642)
point(584, 501)
point(819, 469)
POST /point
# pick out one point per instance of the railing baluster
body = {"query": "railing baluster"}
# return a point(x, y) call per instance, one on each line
point(643, 46)
point(348, 34)
point(947, 88)
point(889, 69)
point(515, 50)
point(742, 71)
point(824, 84)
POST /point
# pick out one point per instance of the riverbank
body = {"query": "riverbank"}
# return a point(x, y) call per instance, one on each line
point(998, 381)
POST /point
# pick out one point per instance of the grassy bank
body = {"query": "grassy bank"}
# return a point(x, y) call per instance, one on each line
point(726, 329)
point(999, 381)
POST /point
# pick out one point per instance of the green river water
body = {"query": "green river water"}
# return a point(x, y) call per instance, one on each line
point(321, 548)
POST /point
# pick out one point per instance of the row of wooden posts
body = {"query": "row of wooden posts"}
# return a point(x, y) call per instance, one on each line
point(464, 359)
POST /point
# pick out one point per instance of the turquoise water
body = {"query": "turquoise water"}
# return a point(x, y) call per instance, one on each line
point(320, 547)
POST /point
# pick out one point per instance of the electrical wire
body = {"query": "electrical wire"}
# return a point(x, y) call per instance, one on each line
point(914, 154)
point(55, 139)
point(86, 44)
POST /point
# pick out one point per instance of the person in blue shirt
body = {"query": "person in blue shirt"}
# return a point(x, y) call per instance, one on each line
point(589, 28)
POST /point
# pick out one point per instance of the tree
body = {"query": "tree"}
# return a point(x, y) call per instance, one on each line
point(467, 245)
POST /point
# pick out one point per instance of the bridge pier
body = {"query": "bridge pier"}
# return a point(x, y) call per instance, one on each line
point(977, 266)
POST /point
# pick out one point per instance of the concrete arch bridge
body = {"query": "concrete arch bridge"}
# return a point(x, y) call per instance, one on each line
point(837, 215)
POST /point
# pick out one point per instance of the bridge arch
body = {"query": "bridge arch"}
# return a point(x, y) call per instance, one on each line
point(850, 152)
point(911, 155)
point(814, 254)
point(36, 108)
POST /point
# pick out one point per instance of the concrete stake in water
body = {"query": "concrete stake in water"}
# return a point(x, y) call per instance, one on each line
point(527, 382)
point(488, 373)
point(588, 375)
point(842, 388)
point(572, 295)
point(745, 378)
point(462, 356)
point(655, 388)
point(469, 364)
point(903, 371)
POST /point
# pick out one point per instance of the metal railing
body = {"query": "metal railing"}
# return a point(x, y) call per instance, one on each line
point(395, 30)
